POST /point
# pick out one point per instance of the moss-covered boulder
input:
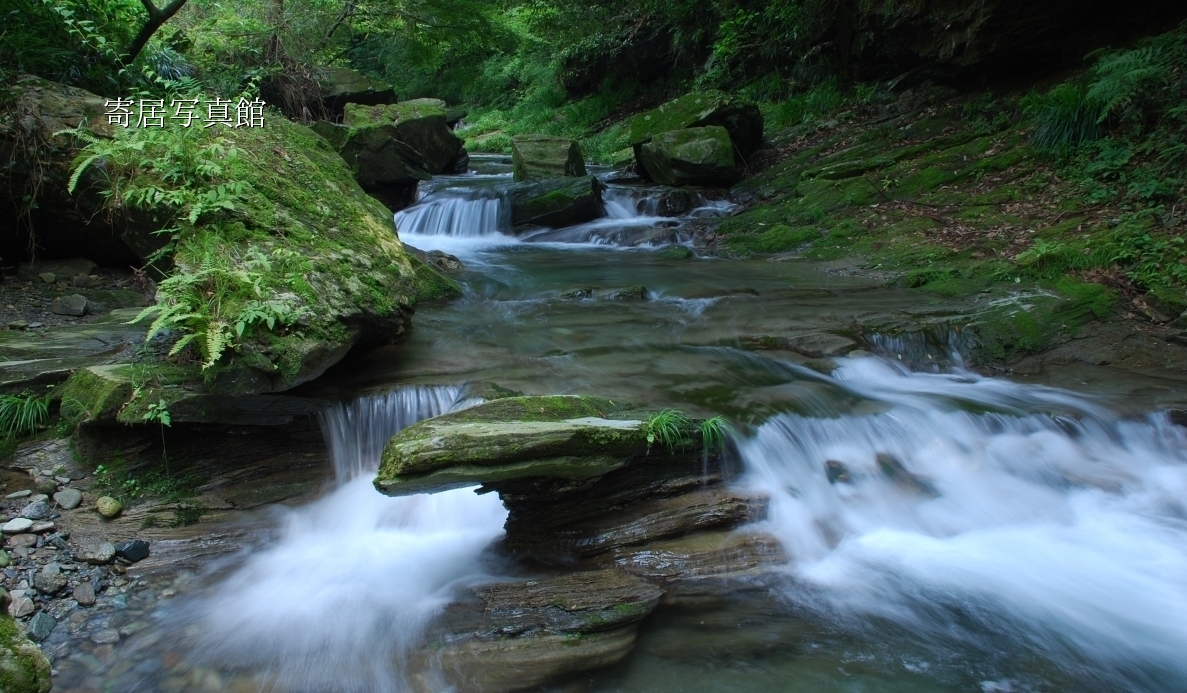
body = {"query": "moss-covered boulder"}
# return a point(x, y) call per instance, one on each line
point(342, 85)
point(387, 169)
point(23, 668)
point(741, 118)
point(693, 156)
point(556, 202)
point(421, 124)
point(513, 438)
point(545, 156)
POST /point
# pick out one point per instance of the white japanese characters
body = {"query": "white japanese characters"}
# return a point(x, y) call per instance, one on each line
point(153, 113)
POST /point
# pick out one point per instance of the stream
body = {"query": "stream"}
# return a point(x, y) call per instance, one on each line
point(1046, 550)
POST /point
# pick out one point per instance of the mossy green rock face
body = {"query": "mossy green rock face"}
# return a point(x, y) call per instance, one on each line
point(694, 156)
point(741, 118)
point(421, 124)
point(23, 668)
point(512, 438)
point(388, 169)
point(544, 156)
point(556, 202)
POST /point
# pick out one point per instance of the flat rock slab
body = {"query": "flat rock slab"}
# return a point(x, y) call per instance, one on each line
point(68, 499)
point(19, 525)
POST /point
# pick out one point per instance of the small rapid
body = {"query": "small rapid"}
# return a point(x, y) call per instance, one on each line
point(340, 598)
point(990, 518)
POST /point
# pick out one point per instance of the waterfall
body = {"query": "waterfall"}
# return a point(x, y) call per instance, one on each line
point(338, 601)
point(458, 212)
point(979, 511)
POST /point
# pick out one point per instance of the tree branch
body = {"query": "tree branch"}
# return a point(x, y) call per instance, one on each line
point(156, 18)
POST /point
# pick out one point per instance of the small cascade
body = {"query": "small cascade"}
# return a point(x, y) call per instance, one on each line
point(991, 517)
point(926, 349)
point(460, 212)
point(356, 431)
point(342, 596)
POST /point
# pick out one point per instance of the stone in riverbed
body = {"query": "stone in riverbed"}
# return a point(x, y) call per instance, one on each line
point(21, 607)
point(556, 202)
point(693, 156)
point(47, 486)
point(132, 551)
point(84, 594)
point(48, 582)
point(74, 304)
point(18, 525)
point(109, 507)
point(516, 437)
point(37, 511)
point(741, 119)
point(106, 637)
point(19, 494)
point(68, 499)
point(545, 156)
point(41, 625)
point(420, 123)
point(99, 555)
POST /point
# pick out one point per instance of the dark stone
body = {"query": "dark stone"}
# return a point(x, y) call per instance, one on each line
point(895, 471)
point(74, 304)
point(41, 625)
point(556, 202)
point(459, 165)
point(837, 472)
point(132, 551)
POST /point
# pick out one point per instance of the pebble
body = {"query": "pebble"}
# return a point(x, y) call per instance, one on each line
point(41, 625)
point(35, 325)
point(132, 551)
point(37, 511)
point(21, 607)
point(22, 540)
point(18, 324)
point(47, 486)
point(106, 637)
point(5, 559)
point(42, 527)
point(62, 479)
point(73, 305)
point(19, 494)
point(109, 507)
point(48, 277)
point(68, 499)
point(17, 526)
point(49, 583)
point(38, 498)
point(84, 594)
point(102, 554)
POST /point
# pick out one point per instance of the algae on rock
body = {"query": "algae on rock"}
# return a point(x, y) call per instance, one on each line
point(23, 668)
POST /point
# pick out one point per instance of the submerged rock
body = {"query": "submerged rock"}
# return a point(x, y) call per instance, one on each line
point(556, 202)
point(545, 156)
point(693, 156)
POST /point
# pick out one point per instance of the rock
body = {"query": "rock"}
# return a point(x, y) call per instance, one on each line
point(59, 268)
point(421, 124)
point(38, 498)
point(21, 607)
point(837, 472)
point(68, 499)
point(741, 119)
point(17, 526)
point(37, 511)
point(822, 345)
point(42, 527)
point(545, 156)
point(47, 486)
point(132, 551)
point(41, 625)
point(109, 507)
point(106, 636)
point(459, 165)
point(693, 156)
point(84, 281)
point(638, 292)
point(556, 202)
point(25, 540)
point(84, 594)
point(74, 304)
point(564, 437)
point(704, 563)
point(342, 85)
point(896, 472)
point(25, 493)
point(18, 324)
point(444, 261)
point(386, 168)
point(49, 582)
point(23, 667)
point(100, 555)
point(48, 277)
point(5, 559)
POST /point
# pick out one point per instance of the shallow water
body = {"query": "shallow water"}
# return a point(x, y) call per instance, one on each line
point(1030, 538)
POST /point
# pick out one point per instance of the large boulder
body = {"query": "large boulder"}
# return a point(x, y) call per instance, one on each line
point(36, 211)
point(741, 118)
point(545, 156)
point(342, 85)
point(422, 124)
point(386, 168)
point(693, 156)
point(293, 269)
point(556, 202)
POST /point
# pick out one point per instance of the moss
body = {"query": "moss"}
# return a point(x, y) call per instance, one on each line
point(23, 668)
point(95, 393)
point(434, 286)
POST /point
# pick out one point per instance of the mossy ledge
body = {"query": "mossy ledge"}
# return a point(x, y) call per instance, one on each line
point(564, 437)
point(23, 669)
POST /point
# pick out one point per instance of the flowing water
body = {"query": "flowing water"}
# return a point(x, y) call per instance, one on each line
point(948, 531)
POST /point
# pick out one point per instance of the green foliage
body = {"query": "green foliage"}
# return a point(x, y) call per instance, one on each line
point(224, 298)
point(669, 428)
point(22, 414)
point(713, 432)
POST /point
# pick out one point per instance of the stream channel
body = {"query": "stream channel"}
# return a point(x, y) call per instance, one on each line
point(1049, 555)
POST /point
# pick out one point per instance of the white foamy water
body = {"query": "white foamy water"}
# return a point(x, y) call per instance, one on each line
point(336, 603)
point(457, 212)
point(1053, 526)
